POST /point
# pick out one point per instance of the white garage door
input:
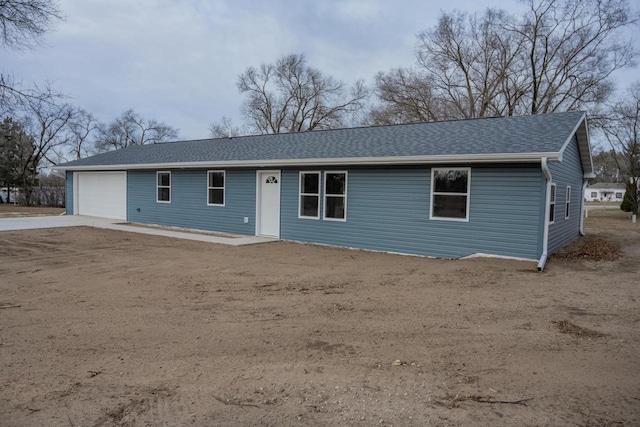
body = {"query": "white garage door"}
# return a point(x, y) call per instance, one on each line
point(102, 194)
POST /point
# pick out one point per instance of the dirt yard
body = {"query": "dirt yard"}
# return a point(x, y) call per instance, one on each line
point(102, 328)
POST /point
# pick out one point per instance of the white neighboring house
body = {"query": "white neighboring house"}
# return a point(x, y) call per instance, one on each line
point(604, 192)
point(4, 193)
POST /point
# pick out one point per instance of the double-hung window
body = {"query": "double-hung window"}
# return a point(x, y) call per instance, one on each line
point(450, 193)
point(552, 204)
point(567, 206)
point(335, 196)
point(215, 188)
point(163, 183)
point(309, 201)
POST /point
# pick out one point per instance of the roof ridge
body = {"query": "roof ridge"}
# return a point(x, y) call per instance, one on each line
point(466, 119)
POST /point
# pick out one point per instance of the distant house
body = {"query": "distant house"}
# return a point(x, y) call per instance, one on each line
point(9, 197)
point(604, 192)
point(509, 186)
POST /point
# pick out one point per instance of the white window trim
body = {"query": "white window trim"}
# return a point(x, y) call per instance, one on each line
point(324, 196)
point(158, 186)
point(467, 194)
point(223, 188)
point(567, 203)
point(552, 203)
point(300, 194)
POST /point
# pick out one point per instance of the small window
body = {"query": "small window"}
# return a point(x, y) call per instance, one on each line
point(164, 187)
point(552, 204)
point(594, 194)
point(335, 196)
point(309, 202)
point(567, 206)
point(215, 188)
point(618, 195)
point(450, 194)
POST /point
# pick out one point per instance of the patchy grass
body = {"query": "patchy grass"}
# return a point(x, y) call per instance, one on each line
point(9, 210)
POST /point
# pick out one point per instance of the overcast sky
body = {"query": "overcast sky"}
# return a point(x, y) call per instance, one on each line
point(178, 60)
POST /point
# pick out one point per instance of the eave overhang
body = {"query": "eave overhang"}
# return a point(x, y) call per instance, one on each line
point(329, 162)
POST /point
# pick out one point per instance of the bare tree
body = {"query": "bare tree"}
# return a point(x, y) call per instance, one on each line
point(572, 48)
point(467, 59)
point(81, 128)
point(47, 124)
point(23, 24)
point(621, 128)
point(406, 96)
point(290, 96)
point(31, 143)
point(132, 129)
point(226, 129)
point(558, 55)
point(605, 167)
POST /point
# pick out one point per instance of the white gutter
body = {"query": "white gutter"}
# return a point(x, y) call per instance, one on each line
point(342, 161)
point(545, 235)
point(584, 188)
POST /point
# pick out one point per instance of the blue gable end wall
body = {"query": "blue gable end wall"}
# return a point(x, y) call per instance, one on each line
point(567, 172)
point(188, 207)
point(68, 192)
point(388, 209)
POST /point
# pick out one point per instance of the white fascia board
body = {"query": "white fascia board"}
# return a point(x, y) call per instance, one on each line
point(343, 161)
point(585, 146)
point(573, 132)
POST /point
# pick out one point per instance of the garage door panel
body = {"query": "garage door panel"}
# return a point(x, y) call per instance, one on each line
point(102, 194)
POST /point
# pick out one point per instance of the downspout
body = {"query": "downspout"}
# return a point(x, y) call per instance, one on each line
point(545, 234)
point(584, 188)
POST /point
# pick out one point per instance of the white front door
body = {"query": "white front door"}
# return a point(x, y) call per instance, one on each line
point(268, 204)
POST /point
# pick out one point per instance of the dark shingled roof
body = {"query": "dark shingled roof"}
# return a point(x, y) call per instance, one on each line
point(543, 133)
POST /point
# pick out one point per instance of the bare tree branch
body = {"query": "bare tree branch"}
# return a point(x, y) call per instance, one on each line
point(558, 55)
point(132, 129)
point(23, 23)
point(290, 96)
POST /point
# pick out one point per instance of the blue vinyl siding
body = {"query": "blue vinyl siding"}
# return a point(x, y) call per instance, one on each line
point(567, 172)
point(68, 192)
point(188, 207)
point(388, 209)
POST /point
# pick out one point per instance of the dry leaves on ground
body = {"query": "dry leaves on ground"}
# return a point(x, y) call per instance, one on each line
point(590, 248)
point(566, 327)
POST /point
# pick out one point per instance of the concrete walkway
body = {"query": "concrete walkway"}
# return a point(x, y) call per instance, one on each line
point(30, 223)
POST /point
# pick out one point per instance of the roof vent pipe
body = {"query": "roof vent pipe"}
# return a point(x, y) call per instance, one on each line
point(547, 213)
